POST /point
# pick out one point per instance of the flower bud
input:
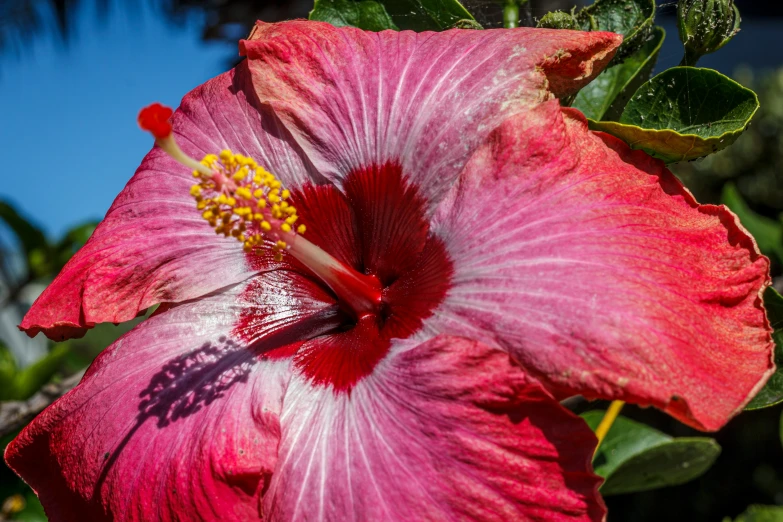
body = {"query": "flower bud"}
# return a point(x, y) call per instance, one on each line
point(558, 20)
point(705, 26)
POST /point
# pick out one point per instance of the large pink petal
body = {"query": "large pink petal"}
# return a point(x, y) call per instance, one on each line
point(601, 275)
point(355, 99)
point(153, 246)
point(444, 430)
point(178, 420)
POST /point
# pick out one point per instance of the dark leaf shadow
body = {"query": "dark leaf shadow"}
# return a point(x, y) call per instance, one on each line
point(188, 383)
point(192, 381)
point(185, 385)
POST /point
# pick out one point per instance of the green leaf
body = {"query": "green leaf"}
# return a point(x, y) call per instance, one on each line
point(30, 236)
point(7, 373)
point(365, 14)
point(34, 244)
point(625, 439)
point(767, 232)
point(631, 18)
point(684, 113)
point(760, 514)
point(635, 457)
point(772, 393)
point(30, 380)
point(416, 15)
point(670, 464)
point(606, 96)
point(19, 385)
point(33, 511)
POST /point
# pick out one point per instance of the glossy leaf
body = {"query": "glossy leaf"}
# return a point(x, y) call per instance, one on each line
point(772, 393)
point(605, 97)
point(670, 464)
point(760, 514)
point(684, 113)
point(635, 457)
point(767, 232)
point(625, 439)
point(416, 15)
point(365, 14)
point(631, 18)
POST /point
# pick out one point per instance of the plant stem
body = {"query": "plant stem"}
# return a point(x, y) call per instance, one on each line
point(511, 14)
point(606, 423)
point(689, 60)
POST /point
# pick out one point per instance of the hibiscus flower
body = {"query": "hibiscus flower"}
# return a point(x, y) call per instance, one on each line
point(471, 253)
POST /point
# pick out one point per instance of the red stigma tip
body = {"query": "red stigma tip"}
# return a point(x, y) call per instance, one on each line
point(155, 119)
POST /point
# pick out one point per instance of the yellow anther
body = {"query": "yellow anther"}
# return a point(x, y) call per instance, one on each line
point(241, 199)
point(301, 229)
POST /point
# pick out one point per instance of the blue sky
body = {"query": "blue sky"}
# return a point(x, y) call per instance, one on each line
point(69, 126)
point(69, 132)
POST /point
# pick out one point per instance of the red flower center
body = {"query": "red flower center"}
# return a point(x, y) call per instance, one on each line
point(376, 227)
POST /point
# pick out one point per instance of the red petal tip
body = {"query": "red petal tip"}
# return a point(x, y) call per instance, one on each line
point(155, 119)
